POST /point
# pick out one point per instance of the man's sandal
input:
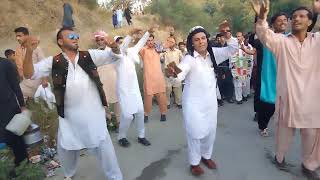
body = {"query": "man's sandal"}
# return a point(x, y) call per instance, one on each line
point(264, 133)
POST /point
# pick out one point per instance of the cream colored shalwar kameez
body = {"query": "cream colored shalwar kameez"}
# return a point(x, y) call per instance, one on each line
point(298, 88)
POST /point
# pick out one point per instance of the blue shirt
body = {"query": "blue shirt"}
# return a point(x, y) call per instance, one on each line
point(268, 77)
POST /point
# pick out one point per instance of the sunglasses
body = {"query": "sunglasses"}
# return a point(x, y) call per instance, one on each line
point(73, 36)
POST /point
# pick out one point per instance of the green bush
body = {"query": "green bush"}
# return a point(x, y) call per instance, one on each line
point(180, 14)
point(29, 171)
point(25, 171)
point(46, 118)
point(210, 13)
point(6, 164)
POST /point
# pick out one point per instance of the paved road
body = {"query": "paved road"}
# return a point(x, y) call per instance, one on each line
point(240, 153)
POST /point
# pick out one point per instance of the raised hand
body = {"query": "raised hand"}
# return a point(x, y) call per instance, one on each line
point(261, 8)
point(32, 43)
point(112, 44)
point(316, 6)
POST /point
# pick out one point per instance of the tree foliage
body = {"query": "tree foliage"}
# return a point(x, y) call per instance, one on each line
point(186, 14)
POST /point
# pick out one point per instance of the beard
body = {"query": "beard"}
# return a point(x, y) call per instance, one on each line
point(72, 47)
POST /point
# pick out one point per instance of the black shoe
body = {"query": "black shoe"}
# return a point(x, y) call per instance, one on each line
point(146, 119)
point(239, 102)
point(144, 141)
point(244, 98)
point(230, 101)
point(163, 117)
point(124, 142)
point(179, 106)
point(168, 106)
point(282, 165)
point(220, 102)
point(311, 175)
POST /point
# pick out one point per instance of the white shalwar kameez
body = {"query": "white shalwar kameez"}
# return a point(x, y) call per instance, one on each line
point(84, 124)
point(128, 91)
point(241, 68)
point(199, 100)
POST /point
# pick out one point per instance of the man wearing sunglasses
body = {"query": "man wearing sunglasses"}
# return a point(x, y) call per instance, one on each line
point(80, 100)
point(227, 87)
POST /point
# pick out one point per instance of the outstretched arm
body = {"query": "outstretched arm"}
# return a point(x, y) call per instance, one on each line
point(268, 38)
point(104, 57)
point(143, 39)
point(141, 42)
point(222, 54)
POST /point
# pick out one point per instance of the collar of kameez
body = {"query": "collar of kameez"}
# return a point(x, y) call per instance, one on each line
point(67, 58)
point(196, 54)
point(195, 28)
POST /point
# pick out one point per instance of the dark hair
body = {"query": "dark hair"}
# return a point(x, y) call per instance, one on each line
point(151, 35)
point(181, 43)
point(275, 16)
point(23, 30)
point(310, 14)
point(59, 33)
point(241, 33)
point(8, 52)
point(118, 39)
point(172, 37)
point(219, 35)
point(191, 49)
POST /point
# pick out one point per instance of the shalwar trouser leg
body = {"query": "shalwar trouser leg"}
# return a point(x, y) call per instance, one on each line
point(246, 88)
point(126, 120)
point(161, 99)
point(198, 148)
point(265, 113)
point(177, 94)
point(104, 153)
point(168, 93)
point(238, 89)
point(310, 142)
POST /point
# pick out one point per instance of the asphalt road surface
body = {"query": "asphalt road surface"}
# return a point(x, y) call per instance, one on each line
point(239, 151)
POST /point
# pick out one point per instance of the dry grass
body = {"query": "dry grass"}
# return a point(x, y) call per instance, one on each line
point(43, 18)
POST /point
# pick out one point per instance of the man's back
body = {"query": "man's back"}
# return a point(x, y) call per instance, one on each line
point(10, 91)
point(6, 91)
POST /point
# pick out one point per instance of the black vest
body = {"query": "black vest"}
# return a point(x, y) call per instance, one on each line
point(60, 73)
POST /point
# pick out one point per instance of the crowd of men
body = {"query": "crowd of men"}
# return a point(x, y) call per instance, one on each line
point(196, 75)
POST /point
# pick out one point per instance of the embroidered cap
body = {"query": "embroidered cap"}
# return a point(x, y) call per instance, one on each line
point(100, 34)
point(195, 28)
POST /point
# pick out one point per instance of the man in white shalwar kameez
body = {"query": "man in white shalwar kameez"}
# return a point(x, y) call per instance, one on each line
point(83, 124)
point(199, 98)
point(128, 91)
